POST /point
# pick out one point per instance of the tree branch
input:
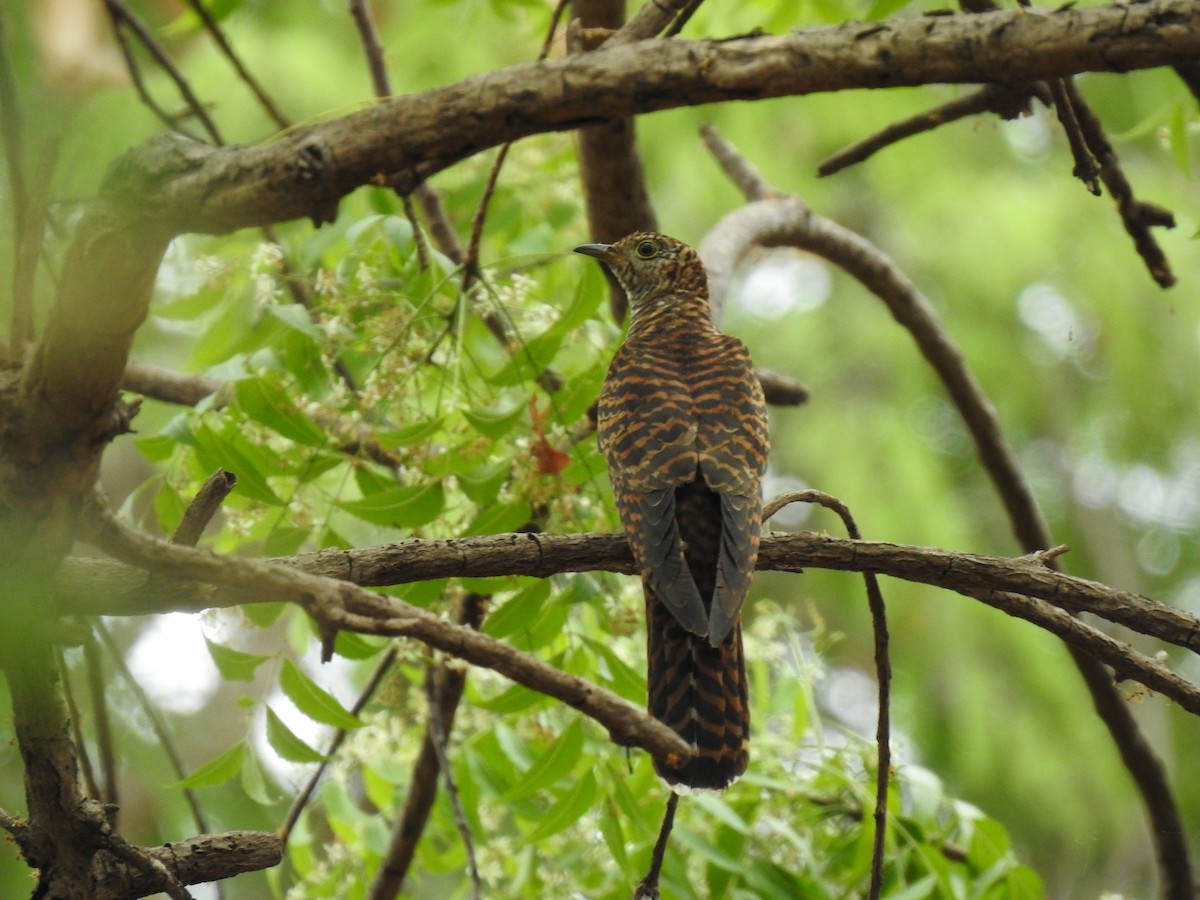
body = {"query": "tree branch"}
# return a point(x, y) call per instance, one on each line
point(306, 172)
point(991, 579)
point(340, 605)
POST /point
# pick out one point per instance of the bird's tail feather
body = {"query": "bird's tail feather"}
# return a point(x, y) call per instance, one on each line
point(698, 691)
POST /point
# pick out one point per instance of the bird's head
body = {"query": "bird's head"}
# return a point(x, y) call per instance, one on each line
point(652, 268)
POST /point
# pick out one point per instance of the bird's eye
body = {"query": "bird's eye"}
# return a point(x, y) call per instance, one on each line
point(647, 249)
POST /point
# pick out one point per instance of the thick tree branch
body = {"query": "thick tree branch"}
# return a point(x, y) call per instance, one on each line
point(996, 581)
point(307, 171)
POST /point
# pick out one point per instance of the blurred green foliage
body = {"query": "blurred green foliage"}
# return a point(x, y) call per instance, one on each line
point(1092, 369)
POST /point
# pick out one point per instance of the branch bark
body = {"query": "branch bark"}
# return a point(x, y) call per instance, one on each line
point(307, 171)
point(1022, 586)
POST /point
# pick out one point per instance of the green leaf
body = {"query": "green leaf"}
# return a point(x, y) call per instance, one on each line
point(1179, 135)
point(513, 699)
point(614, 836)
point(296, 317)
point(263, 614)
point(500, 519)
point(558, 759)
point(216, 771)
point(622, 678)
point(989, 844)
point(407, 435)
point(567, 811)
point(355, 646)
point(285, 742)
point(520, 612)
point(881, 9)
point(267, 403)
point(918, 890)
point(234, 665)
point(156, 447)
point(399, 507)
point(483, 482)
point(314, 702)
point(498, 419)
point(589, 293)
point(230, 451)
point(255, 784)
point(169, 508)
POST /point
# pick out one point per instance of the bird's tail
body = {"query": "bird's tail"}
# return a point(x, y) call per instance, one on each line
point(699, 692)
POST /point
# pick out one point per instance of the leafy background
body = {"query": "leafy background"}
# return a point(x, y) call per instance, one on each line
point(1003, 770)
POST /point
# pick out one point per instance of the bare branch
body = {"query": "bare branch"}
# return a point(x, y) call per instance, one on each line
point(1005, 101)
point(1137, 216)
point(260, 94)
point(123, 17)
point(543, 555)
point(306, 172)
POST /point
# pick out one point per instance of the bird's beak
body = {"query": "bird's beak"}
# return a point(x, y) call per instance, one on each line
point(600, 251)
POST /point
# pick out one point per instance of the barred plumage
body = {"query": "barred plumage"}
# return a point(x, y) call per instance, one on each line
point(683, 428)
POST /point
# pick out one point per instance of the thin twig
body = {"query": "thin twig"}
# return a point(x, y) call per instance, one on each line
point(103, 726)
point(439, 743)
point(422, 792)
point(410, 213)
point(470, 267)
point(471, 262)
point(203, 507)
point(647, 888)
point(1001, 99)
point(94, 788)
point(214, 29)
point(157, 725)
point(685, 16)
point(300, 294)
point(1137, 216)
point(360, 11)
point(1085, 163)
point(435, 213)
point(120, 15)
point(650, 19)
point(439, 223)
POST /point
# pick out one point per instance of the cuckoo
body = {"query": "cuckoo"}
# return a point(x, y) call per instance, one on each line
point(683, 427)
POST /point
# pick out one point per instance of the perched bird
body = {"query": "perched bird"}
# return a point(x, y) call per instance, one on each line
point(683, 427)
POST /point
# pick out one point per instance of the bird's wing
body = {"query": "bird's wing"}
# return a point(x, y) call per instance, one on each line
point(647, 433)
point(733, 442)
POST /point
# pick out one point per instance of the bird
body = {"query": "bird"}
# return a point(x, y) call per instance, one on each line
point(682, 426)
